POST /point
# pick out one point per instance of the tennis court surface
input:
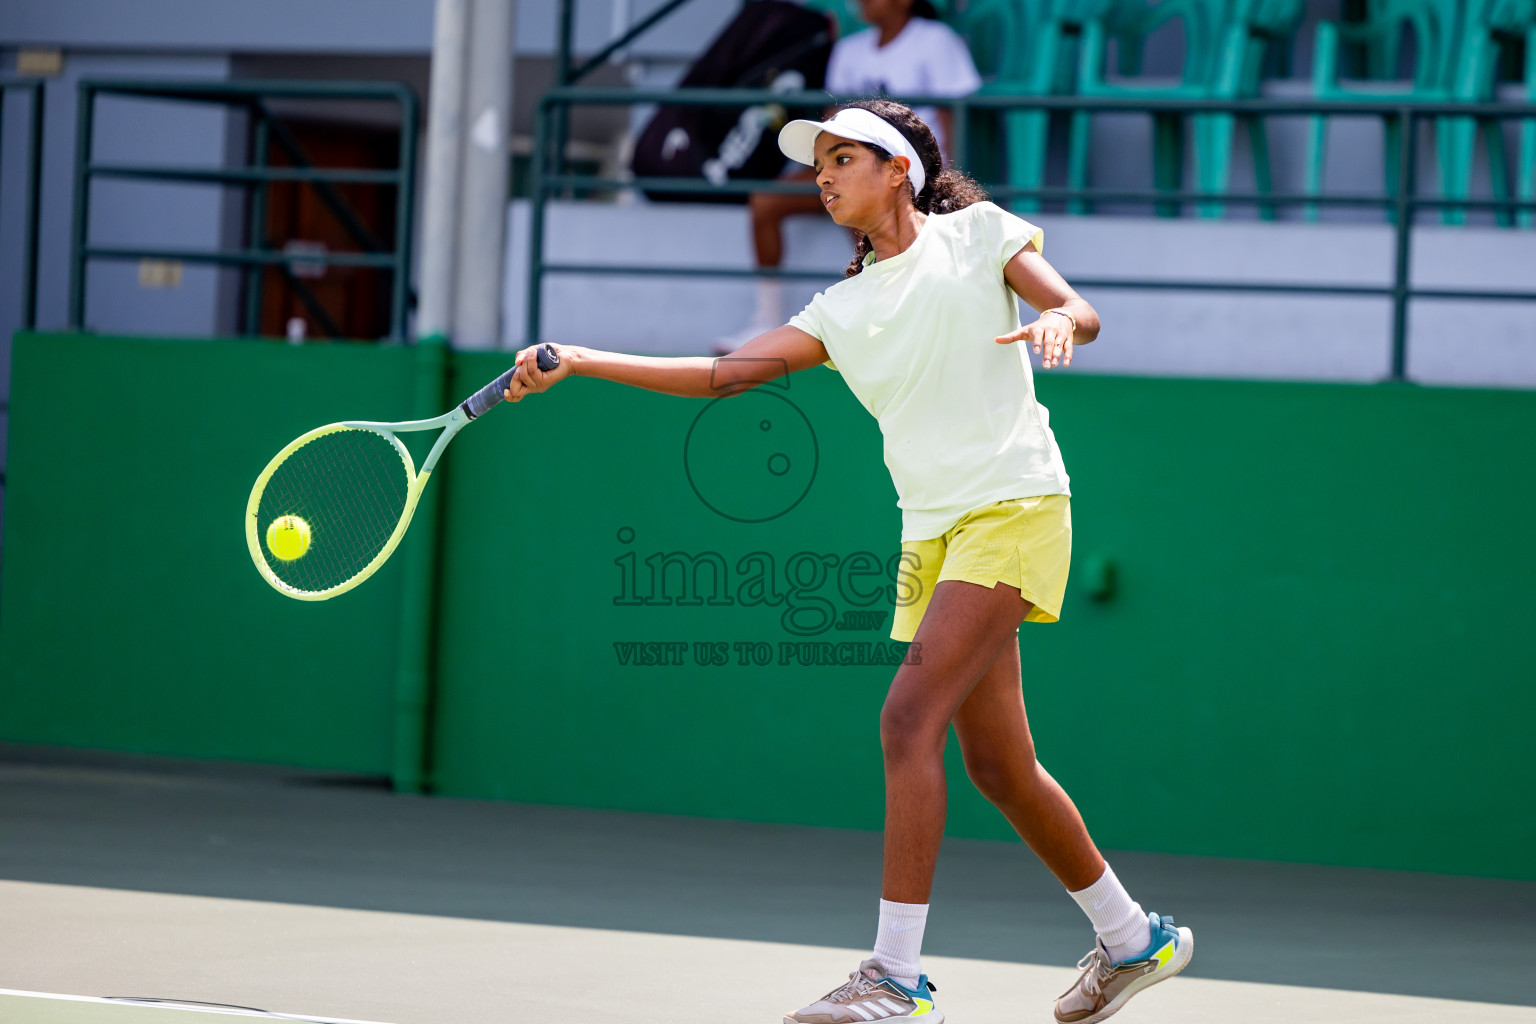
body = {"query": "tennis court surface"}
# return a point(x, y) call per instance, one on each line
point(322, 898)
point(53, 1008)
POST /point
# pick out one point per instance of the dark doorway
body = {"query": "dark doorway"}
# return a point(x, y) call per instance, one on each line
point(321, 300)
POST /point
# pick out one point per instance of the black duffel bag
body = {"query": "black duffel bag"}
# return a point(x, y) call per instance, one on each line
point(771, 44)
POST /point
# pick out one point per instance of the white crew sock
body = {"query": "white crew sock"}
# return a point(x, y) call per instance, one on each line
point(770, 303)
point(899, 941)
point(1116, 917)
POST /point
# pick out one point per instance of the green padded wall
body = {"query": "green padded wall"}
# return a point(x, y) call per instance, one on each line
point(131, 617)
point(1318, 649)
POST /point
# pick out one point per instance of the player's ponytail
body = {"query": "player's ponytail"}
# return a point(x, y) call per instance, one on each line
point(947, 190)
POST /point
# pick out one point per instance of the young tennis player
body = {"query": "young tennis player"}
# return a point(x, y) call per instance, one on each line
point(906, 51)
point(925, 331)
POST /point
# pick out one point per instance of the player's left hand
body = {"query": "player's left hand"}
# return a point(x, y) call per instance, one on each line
point(1051, 336)
point(529, 379)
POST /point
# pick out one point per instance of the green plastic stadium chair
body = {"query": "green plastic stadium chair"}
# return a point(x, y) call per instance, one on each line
point(1527, 170)
point(1017, 47)
point(1378, 37)
point(1131, 24)
point(1435, 28)
point(1386, 23)
point(1227, 45)
point(1254, 29)
point(844, 12)
point(991, 32)
point(1487, 29)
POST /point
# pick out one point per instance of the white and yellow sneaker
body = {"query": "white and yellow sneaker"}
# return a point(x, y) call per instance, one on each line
point(1106, 985)
point(869, 994)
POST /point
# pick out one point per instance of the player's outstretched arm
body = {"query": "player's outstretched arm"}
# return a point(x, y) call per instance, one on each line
point(767, 357)
point(1053, 334)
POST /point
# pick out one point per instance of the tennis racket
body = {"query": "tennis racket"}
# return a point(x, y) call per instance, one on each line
point(331, 507)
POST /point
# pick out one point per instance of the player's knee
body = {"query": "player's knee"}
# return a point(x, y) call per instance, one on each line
point(988, 775)
point(908, 729)
point(1001, 777)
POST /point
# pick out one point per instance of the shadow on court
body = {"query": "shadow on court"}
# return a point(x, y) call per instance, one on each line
point(280, 835)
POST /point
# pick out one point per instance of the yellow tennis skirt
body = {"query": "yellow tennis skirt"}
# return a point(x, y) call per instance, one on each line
point(1023, 542)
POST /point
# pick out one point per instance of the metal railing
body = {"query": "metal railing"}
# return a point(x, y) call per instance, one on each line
point(267, 130)
point(34, 171)
point(1403, 204)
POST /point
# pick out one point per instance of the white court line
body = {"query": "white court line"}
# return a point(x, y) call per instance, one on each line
point(229, 1011)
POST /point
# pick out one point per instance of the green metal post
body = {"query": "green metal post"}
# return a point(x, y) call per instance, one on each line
point(80, 231)
point(256, 230)
point(564, 44)
point(562, 113)
point(34, 208)
point(3, 87)
point(1167, 158)
point(1407, 164)
point(418, 602)
point(958, 146)
point(536, 225)
point(405, 204)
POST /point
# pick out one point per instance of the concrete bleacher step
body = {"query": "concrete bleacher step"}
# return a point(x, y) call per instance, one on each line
point(1159, 332)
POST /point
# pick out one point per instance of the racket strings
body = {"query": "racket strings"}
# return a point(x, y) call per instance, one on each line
point(350, 486)
point(385, 502)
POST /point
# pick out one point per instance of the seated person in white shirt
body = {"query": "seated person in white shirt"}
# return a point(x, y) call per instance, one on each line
point(906, 51)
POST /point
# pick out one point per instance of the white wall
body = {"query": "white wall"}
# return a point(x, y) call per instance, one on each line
point(329, 26)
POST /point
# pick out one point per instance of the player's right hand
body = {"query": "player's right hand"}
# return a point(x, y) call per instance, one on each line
point(1051, 337)
point(529, 379)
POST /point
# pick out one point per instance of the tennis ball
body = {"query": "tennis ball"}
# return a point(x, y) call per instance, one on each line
point(288, 537)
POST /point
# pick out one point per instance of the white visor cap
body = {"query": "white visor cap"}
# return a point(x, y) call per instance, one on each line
point(798, 139)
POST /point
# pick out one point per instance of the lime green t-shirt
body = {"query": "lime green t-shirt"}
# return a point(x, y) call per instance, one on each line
point(912, 337)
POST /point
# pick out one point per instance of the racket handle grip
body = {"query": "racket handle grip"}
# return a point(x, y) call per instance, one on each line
point(481, 401)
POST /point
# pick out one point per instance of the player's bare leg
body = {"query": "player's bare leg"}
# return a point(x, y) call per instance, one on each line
point(963, 629)
point(768, 212)
point(999, 753)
